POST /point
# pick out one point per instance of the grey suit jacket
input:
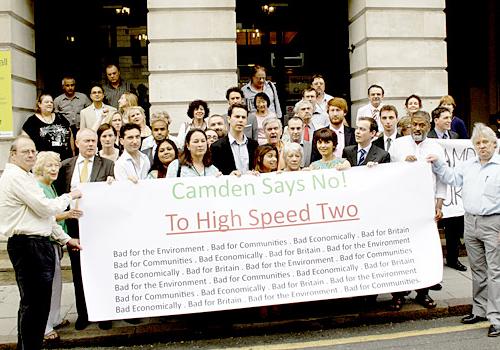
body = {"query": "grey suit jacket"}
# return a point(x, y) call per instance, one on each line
point(375, 154)
point(251, 129)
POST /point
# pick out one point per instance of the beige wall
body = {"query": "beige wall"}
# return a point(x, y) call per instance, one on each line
point(401, 46)
point(192, 54)
point(17, 35)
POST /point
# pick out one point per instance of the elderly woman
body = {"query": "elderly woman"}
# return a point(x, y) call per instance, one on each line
point(49, 131)
point(404, 126)
point(197, 111)
point(195, 160)
point(106, 142)
point(326, 142)
point(46, 169)
point(293, 154)
point(261, 104)
point(165, 153)
point(266, 159)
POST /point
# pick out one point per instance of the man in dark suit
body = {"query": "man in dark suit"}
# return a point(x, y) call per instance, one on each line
point(86, 167)
point(389, 120)
point(441, 117)
point(234, 153)
point(365, 151)
point(337, 110)
point(453, 226)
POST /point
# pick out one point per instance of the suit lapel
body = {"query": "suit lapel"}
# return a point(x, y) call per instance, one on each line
point(70, 170)
point(95, 169)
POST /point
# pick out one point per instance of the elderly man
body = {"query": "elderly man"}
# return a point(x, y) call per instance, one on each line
point(273, 129)
point(416, 147)
point(480, 181)
point(28, 221)
point(115, 85)
point(86, 167)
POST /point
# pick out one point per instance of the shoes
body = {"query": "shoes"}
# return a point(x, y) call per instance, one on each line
point(63, 324)
point(494, 331)
point(397, 303)
point(52, 336)
point(436, 287)
point(81, 324)
point(426, 301)
point(105, 325)
point(133, 321)
point(457, 266)
point(471, 319)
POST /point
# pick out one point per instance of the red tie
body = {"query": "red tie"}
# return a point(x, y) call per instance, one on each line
point(306, 133)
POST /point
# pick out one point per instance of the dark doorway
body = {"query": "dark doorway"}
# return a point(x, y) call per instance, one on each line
point(294, 40)
point(79, 38)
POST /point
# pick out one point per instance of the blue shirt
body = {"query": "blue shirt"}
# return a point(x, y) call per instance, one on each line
point(480, 183)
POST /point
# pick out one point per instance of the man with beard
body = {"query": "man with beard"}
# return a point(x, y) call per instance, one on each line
point(337, 110)
point(411, 148)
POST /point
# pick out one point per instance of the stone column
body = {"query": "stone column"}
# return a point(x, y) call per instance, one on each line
point(401, 46)
point(17, 34)
point(192, 54)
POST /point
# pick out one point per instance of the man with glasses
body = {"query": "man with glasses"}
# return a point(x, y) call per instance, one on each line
point(97, 111)
point(28, 221)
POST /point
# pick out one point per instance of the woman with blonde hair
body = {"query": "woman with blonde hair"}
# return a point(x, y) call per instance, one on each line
point(127, 100)
point(137, 116)
point(46, 170)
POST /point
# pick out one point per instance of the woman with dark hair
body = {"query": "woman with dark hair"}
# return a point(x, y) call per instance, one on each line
point(266, 159)
point(413, 103)
point(326, 142)
point(261, 104)
point(195, 160)
point(166, 153)
point(106, 142)
point(49, 131)
point(197, 111)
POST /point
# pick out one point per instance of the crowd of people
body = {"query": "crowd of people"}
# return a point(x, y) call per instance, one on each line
point(80, 140)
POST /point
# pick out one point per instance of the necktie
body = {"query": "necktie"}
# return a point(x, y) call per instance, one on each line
point(445, 135)
point(306, 132)
point(375, 114)
point(84, 172)
point(389, 140)
point(362, 156)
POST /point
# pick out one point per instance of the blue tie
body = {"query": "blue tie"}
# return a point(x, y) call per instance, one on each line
point(362, 156)
point(445, 135)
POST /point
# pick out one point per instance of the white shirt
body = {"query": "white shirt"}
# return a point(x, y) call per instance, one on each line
point(25, 210)
point(369, 111)
point(321, 106)
point(405, 146)
point(392, 137)
point(125, 167)
point(340, 141)
point(75, 178)
point(240, 153)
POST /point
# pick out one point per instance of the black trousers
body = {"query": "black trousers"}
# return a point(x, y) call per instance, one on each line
point(453, 230)
point(76, 271)
point(33, 260)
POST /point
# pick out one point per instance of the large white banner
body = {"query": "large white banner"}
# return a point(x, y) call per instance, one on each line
point(187, 245)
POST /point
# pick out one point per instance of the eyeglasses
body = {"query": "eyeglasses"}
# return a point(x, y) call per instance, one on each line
point(28, 151)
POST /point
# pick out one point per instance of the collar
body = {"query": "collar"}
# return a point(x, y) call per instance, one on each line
point(440, 134)
point(233, 140)
point(339, 130)
point(495, 159)
point(80, 159)
point(367, 148)
point(392, 136)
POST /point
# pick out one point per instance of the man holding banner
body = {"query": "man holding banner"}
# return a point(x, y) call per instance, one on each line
point(411, 148)
point(480, 181)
